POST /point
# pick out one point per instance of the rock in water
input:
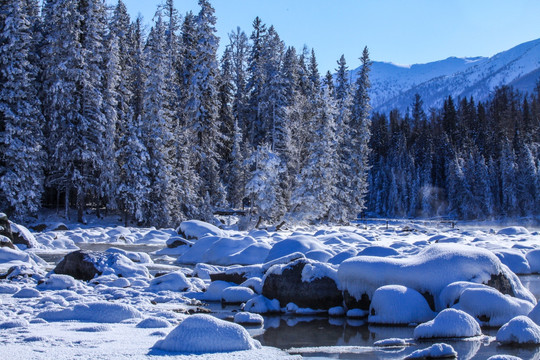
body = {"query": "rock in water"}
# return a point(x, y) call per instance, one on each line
point(306, 283)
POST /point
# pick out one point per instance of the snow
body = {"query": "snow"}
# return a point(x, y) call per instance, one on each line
point(99, 312)
point(431, 270)
point(192, 335)
point(336, 311)
point(298, 243)
point(396, 304)
point(174, 281)
point(196, 229)
point(490, 307)
point(59, 282)
point(236, 294)
point(520, 330)
point(435, 351)
point(215, 290)
point(515, 260)
point(248, 318)
point(449, 323)
point(153, 323)
point(262, 305)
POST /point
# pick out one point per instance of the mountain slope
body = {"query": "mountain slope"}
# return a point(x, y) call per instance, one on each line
point(394, 86)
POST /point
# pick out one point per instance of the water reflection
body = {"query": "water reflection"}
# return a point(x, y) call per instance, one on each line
point(340, 338)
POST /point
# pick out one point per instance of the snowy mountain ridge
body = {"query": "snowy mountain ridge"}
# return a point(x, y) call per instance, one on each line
point(394, 86)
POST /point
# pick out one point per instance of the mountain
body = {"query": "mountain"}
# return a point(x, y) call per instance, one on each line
point(394, 86)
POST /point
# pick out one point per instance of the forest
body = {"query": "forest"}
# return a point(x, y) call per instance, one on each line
point(98, 113)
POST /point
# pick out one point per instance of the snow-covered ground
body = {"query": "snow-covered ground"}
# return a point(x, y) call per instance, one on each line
point(401, 273)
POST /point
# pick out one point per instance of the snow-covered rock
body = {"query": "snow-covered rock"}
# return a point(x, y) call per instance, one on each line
point(99, 312)
point(490, 307)
point(196, 229)
point(396, 304)
point(85, 265)
point(248, 318)
point(449, 323)
point(262, 305)
point(59, 282)
point(27, 293)
point(533, 258)
point(520, 330)
point(153, 323)
point(435, 351)
point(297, 243)
point(307, 283)
point(193, 334)
point(515, 260)
point(23, 236)
point(429, 271)
point(215, 290)
point(513, 231)
point(174, 281)
point(236, 295)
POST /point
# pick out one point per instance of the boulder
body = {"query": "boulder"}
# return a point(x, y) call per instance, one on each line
point(306, 283)
point(21, 236)
point(5, 227)
point(85, 265)
point(6, 242)
point(78, 264)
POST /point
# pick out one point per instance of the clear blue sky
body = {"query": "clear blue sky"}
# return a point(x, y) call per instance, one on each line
point(399, 31)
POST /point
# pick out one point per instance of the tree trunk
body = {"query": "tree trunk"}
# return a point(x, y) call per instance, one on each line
point(80, 205)
point(66, 198)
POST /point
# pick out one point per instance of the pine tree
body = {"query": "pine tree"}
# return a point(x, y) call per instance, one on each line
point(21, 137)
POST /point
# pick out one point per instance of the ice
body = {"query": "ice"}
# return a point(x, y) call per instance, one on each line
point(396, 304)
point(449, 323)
point(193, 334)
point(520, 330)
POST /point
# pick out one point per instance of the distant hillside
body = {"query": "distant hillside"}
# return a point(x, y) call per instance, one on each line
point(394, 86)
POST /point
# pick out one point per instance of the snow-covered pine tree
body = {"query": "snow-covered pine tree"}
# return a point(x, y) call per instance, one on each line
point(239, 52)
point(163, 204)
point(21, 137)
point(355, 144)
point(316, 186)
point(262, 188)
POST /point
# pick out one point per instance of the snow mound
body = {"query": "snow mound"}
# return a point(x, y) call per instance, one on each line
point(99, 312)
point(137, 257)
point(396, 304)
point(8, 289)
point(515, 260)
point(533, 258)
point(153, 323)
point(298, 243)
point(236, 294)
point(504, 357)
point(519, 330)
point(193, 334)
point(59, 282)
point(513, 230)
point(490, 307)
point(435, 351)
point(225, 251)
point(215, 289)
point(336, 311)
point(262, 305)
point(196, 229)
point(535, 314)
point(11, 324)
point(380, 251)
point(174, 281)
point(95, 328)
point(449, 323)
point(248, 318)
point(27, 293)
point(431, 270)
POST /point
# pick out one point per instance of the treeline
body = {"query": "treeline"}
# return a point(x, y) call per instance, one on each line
point(95, 112)
point(468, 160)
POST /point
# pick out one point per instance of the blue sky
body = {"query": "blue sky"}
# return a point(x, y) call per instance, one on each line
point(399, 31)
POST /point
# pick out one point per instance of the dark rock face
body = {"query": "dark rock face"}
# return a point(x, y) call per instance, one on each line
point(78, 264)
point(352, 303)
point(5, 227)
point(6, 242)
point(236, 278)
point(320, 293)
point(501, 283)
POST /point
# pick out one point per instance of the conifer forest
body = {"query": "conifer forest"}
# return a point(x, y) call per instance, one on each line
point(100, 113)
